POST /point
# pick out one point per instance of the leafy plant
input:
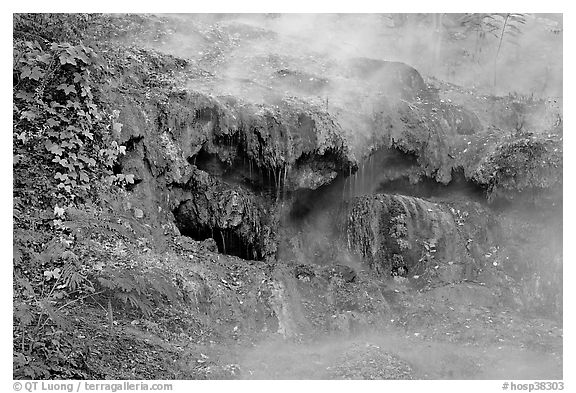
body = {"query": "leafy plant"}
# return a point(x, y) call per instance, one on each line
point(510, 27)
point(43, 348)
point(64, 150)
point(55, 107)
point(500, 26)
point(525, 162)
point(139, 290)
point(49, 27)
point(496, 25)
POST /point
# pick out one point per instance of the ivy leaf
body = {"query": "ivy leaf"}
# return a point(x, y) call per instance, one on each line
point(26, 71)
point(66, 58)
point(56, 273)
point(45, 58)
point(28, 115)
point(52, 122)
point(83, 157)
point(84, 177)
point(61, 176)
point(61, 161)
point(67, 88)
point(67, 145)
point(73, 104)
point(55, 149)
point(36, 73)
point(110, 179)
point(24, 96)
point(58, 212)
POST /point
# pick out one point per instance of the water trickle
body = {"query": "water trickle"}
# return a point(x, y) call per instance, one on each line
point(350, 183)
point(372, 174)
point(362, 178)
point(276, 186)
point(284, 184)
point(223, 242)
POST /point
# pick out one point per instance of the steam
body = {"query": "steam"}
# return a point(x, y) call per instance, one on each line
point(529, 63)
point(264, 58)
point(278, 359)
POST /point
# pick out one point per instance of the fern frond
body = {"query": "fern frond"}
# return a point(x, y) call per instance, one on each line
point(56, 316)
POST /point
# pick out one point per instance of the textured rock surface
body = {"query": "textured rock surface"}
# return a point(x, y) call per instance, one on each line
point(429, 241)
point(223, 153)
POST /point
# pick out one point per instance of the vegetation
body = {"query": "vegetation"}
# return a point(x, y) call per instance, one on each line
point(64, 157)
point(525, 163)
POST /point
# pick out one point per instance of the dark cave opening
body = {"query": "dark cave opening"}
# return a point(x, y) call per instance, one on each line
point(428, 188)
point(242, 170)
point(227, 240)
point(230, 243)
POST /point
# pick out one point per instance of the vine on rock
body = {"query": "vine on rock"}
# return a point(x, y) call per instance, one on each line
point(57, 112)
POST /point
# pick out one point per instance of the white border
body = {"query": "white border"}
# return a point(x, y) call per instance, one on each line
point(298, 6)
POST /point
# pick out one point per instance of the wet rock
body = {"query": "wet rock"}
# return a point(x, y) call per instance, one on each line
point(307, 177)
point(235, 218)
point(285, 302)
point(465, 295)
point(210, 245)
point(305, 82)
point(304, 272)
point(369, 361)
point(346, 273)
point(189, 244)
point(408, 236)
point(525, 164)
point(259, 143)
point(262, 148)
point(186, 243)
point(389, 76)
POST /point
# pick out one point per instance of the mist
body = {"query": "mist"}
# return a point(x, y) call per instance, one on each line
point(404, 196)
point(437, 45)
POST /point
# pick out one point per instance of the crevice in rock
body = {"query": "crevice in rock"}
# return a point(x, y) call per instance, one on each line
point(227, 240)
point(459, 187)
point(238, 220)
point(241, 171)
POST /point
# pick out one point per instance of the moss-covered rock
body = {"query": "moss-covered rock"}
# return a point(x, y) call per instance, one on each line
point(422, 240)
point(527, 163)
